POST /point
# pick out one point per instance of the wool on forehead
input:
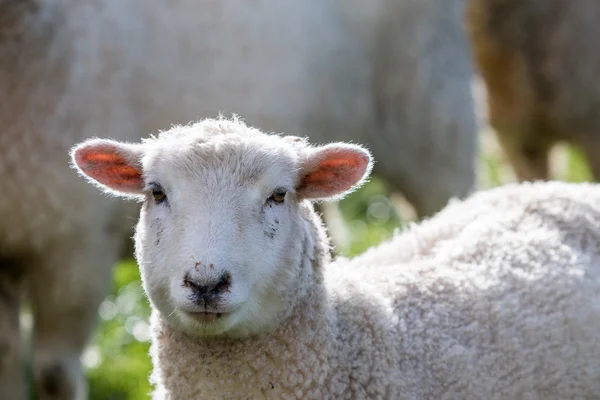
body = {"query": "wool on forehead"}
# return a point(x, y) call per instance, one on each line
point(208, 128)
point(225, 147)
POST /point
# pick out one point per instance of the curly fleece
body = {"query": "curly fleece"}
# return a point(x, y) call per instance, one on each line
point(495, 297)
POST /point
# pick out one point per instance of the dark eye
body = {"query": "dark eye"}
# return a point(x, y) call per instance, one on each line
point(278, 195)
point(158, 194)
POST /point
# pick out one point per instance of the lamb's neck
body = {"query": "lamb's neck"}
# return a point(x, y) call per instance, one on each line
point(253, 367)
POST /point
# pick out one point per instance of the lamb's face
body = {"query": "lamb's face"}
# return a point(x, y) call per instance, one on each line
point(226, 228)
point(219, 224)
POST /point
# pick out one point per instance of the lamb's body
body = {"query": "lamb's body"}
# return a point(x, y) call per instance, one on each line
point(495, 298)
point(539, 62)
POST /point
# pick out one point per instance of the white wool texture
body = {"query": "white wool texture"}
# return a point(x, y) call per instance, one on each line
point(495, 297)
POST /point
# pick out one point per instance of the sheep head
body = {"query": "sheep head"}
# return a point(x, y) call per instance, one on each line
point(225, 225)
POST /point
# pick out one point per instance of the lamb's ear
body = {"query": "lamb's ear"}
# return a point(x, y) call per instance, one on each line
point(113, 166)
point(332, 171)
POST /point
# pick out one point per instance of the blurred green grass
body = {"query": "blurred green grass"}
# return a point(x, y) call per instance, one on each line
point(117, 361)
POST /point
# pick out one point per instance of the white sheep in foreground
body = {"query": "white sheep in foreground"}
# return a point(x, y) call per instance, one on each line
point(496, 297)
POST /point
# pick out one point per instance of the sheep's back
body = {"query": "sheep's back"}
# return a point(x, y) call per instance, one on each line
point(506, 303)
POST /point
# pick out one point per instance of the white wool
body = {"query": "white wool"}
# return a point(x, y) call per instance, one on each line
point(495, 297)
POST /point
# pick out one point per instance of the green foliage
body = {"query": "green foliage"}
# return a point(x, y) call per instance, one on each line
point(117, 363)
point(370, 216)
point(577, 168)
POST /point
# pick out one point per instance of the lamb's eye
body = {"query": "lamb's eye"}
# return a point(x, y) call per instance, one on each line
point(278, 195)
point(158, 194)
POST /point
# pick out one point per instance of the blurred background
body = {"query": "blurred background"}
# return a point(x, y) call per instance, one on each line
point(451, 96)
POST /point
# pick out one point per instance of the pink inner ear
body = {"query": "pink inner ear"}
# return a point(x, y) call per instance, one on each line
point(105, 164)
point(336, 171)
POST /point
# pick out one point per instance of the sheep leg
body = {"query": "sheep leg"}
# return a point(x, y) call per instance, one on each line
point(590, 146)
point(12, 379)
point(527, 153)
point(594, 163)
point(66, 290)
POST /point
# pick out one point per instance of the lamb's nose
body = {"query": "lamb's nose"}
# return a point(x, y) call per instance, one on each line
point(205, 288)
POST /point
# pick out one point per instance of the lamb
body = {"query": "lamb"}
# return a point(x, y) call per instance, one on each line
point(539, 62)
point(496, 297)
point(70, 70)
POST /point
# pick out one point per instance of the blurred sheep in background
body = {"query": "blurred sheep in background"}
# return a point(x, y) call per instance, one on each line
point(539, 63)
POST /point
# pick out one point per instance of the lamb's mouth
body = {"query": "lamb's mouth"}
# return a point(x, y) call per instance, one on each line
point(206, 316)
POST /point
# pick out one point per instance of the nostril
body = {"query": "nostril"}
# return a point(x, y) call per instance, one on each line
point(195, 286)
point(223, 284)
point(202, 289)
point(188, 282)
